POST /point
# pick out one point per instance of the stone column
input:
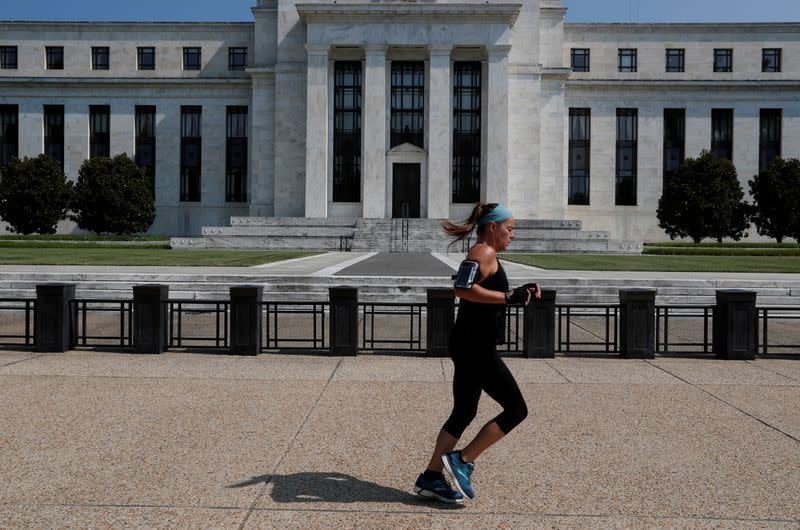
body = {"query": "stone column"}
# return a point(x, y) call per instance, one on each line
point(440, 112)
point(261, 186)
point(496, 188)
point(317, 133)
point(373, 164)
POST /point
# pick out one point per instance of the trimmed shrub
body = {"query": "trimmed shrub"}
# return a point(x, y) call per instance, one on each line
point(34, 195)
point(704, 199)
point(112, 196)
point(776, 198)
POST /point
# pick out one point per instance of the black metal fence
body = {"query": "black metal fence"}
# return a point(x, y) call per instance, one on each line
point(405, 327)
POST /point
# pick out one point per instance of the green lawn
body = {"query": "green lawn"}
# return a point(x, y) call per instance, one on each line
point(82, 237)
point(138, 256)
point(658, 263)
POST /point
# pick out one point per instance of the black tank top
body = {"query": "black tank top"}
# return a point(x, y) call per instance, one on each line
point(481, 324)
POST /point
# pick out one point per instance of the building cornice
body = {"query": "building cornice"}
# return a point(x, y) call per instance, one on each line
point(24, 25)
point(117, 82)
point(683, 26)
point(505, 13)
point(670, 84)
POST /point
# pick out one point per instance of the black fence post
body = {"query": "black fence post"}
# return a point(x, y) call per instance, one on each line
point(344, 320)
point(150, 318)
point(539, 326)
point(735, 325)
point(637, 323)
point(55, 323)
point(441, 309)
point(246, 319)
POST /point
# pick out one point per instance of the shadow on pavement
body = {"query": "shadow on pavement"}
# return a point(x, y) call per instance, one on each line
point(335, 487)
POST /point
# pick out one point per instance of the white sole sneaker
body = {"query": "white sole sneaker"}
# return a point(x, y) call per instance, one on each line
point(431, 495)
point(451, 475)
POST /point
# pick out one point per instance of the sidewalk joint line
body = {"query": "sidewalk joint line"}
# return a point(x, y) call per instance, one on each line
point(727, 403)
point(557, 371)
point(774, 372)
point(21, 361)
point(444, 377)
point(260, 494)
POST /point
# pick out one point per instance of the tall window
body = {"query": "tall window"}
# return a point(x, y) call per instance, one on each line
point(579, 138)
point(54, 57)
point(146, 57)
point(191, 148)
point(408, 103)
point(347, 131)
point(100, 58)
point(722, 133)
point(675, 59)
point(99, 138)
point(674, 140)
point(579, 59)
point(236, 155)
point(723, 59)
point(466, 132)
point(237, 58)
point(769, 137)
point(627, 137)
point(9, 134)
point(627, 59)
point(191, 58)
point(54, 132)
point(146, 141)
point(8, 57)
point(771, 60)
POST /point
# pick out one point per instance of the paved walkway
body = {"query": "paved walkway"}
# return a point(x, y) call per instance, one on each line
point(185, 440)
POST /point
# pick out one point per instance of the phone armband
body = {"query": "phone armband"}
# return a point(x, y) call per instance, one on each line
point(467, 274)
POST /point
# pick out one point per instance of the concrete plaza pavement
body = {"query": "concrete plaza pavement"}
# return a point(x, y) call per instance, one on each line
point(180, 440)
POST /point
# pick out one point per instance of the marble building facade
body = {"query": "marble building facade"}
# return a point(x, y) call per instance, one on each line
point(524, 91)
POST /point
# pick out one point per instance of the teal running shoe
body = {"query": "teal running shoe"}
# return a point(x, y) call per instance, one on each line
point(437, 489)
point(459, 472)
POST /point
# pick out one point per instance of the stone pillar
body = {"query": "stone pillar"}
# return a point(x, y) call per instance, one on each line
point(246, 319)
point(344, 320)
point(637, 323)
point(539, 335)
point(373, 166)
point(441, 310)
point(735, 329)
point(496, 188)
point(55, 327)
point(440, 115)
point(150, 318)
point(316, 204)
point(261, 181)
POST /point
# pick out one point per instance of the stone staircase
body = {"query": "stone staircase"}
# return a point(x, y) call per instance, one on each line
point(386, 235)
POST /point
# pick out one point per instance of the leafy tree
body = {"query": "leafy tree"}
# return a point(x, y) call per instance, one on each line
point(776, 199)
point(112, 195)
point(703, 198)
point(34, 195)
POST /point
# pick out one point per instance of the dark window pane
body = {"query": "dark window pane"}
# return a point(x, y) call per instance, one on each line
point(769, 137)
point(100, 58)
point(191, 152)
point(627, 156)
point(466, 132)
point(580, 59)
point(99, 138)
point(236, 155)
point(675, 60)
point(54, 132)
point(723, 60)
point(771, 60)
point(627, 59)
point(347, 131)
point(191, 58)
point(722, 133)
point(407, 103)
point(146, 141)
point(9, 134)
point(237, 58)
point(579, 152)
point(674, 140)
point(8, 57)
point(146, 58)
point(55, 57)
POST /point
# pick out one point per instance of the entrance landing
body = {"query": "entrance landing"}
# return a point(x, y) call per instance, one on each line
point(406, 264)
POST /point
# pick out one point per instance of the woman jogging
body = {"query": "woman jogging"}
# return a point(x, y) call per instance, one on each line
point(482, 286)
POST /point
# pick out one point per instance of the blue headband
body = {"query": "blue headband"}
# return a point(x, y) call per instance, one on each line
point(498, 214)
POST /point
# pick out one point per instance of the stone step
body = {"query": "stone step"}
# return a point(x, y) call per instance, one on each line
point(294, 221)
point(278, 231)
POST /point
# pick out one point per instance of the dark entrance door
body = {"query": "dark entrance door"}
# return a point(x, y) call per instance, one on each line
point(405, 190)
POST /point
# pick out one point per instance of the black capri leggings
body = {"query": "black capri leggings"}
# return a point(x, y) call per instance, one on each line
point(484, 371)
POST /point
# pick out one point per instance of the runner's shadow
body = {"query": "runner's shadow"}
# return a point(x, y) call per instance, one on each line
point(335, 487)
